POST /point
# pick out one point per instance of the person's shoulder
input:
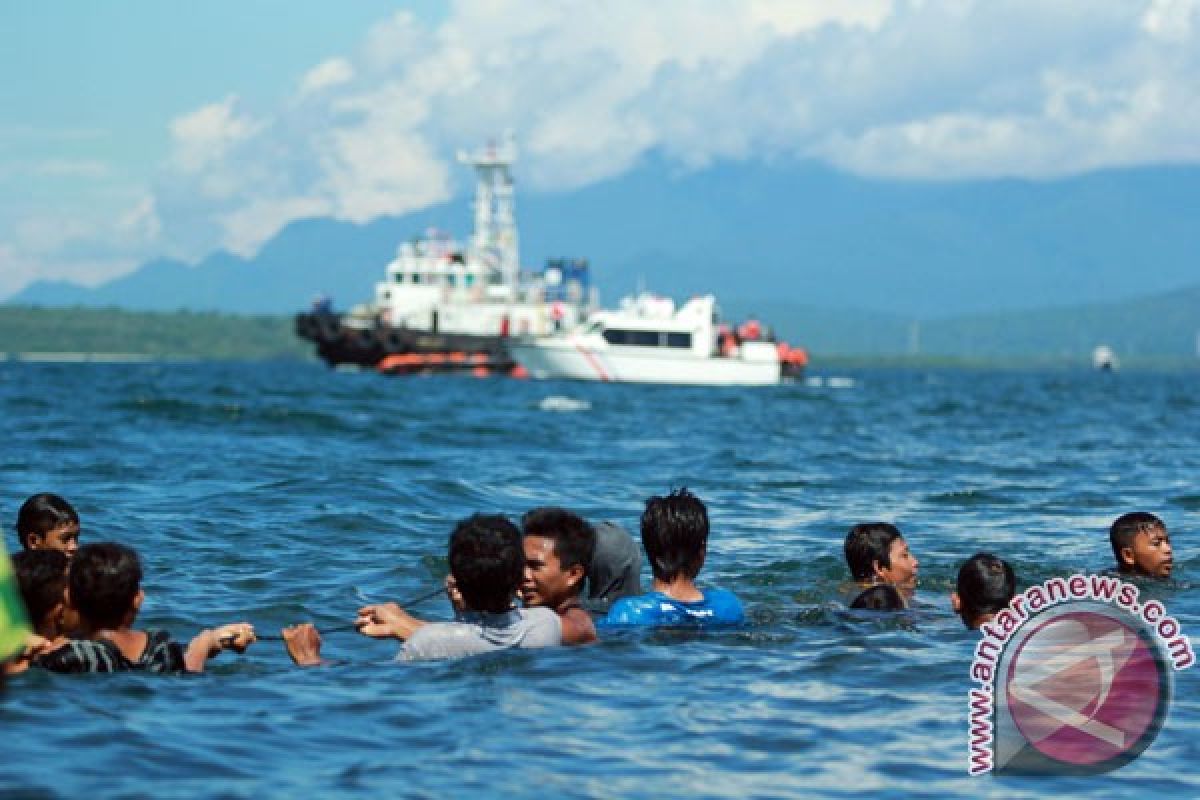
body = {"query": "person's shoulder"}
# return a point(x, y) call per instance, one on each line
point(81, 655)
point(538, 613)
point(634, 610)
point(543, 627)
point(725, 605)
point(435, 640)
point(162, 654)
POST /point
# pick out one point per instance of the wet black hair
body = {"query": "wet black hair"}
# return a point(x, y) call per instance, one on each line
point(986, 584)
point(883, 597)
point(41, 578)
point(487, 561)
point(41, 514)
point(675, 535)
point(574, 539)
point(1125, 529)
point(104, 580)
point(868, 543)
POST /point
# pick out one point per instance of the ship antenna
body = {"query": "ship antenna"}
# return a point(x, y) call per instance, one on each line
point(495, 236)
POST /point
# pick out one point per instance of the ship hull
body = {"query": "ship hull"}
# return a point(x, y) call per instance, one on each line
point(395, 349)
point(578, 359)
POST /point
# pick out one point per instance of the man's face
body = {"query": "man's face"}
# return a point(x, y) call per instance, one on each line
point(1150, 553)
point(546, 583)
point(901, 571)
point(64, 538)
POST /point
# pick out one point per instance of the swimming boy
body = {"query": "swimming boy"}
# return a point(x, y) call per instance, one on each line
point(558, 547)
point(48, 522)
point(41, 577)
point(876, 552)
point(986, 585)
point(104, 586)
point(1141, 545)
point(487, 564)
point(675, 537)
point(42, 580)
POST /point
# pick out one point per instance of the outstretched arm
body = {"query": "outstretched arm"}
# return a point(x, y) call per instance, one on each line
point(387, 620)
point(208, 643)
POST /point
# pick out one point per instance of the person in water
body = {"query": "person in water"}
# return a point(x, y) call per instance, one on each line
point(876, 552)
point(675, 536)
point(882, 597)
point(487, 567)
point(41, 577)
point(104, 587)
point(48, 522)
point(1141, 545)
point(559, 546)
point(986, 585)
point(615, 570)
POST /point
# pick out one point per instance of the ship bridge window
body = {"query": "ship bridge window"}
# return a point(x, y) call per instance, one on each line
point(416, 277)
point(398, 277)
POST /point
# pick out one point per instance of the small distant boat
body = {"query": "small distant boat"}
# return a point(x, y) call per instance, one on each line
point(1104, 359)
point(649, 340)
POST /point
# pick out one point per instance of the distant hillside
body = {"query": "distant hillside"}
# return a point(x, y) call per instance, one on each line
point(1154, 330)
point(1155, 327)
point(798, 234)
point(165, 335)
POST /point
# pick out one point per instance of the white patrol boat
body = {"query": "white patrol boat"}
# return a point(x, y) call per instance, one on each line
point(447, 306)
point(649, 340)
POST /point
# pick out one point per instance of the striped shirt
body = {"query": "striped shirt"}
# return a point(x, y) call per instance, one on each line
point(101, 655)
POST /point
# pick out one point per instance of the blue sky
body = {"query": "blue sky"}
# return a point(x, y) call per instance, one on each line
point(134, 130)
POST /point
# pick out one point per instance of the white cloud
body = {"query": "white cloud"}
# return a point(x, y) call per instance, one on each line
point(206, 135)
point(1171, 19)
point(326, 75)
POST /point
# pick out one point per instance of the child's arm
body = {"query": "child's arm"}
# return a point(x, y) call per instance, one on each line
point(208, 643)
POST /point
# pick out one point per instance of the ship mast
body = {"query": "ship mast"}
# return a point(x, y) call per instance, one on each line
point(495, 237)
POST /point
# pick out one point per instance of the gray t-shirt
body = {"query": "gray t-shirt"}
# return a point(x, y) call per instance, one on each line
point(615, 571)
point(475, 632)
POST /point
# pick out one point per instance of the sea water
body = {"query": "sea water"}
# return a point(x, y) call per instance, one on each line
point(286, 492)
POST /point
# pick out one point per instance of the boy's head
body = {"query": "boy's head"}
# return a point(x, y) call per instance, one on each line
point(487, 561)
point(883, 597)
point(104, 585)
point(48, 522)
point(675, 535)
point(558, 548)
point(42, 579)
point(877, 552)
point(985, 586)
point(1141, 545)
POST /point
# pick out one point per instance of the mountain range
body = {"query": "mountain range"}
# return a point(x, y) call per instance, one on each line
point(796, 242)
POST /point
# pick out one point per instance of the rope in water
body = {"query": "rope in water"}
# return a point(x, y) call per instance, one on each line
point(344, 628)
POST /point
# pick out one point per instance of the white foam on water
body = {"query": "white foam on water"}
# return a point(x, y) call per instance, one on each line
point(833, 382)
point(563, 404)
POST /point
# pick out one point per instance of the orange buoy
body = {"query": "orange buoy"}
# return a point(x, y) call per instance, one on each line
point(519, 372)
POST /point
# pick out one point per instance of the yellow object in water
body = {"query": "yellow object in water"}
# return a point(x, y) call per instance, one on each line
point(14, 627)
